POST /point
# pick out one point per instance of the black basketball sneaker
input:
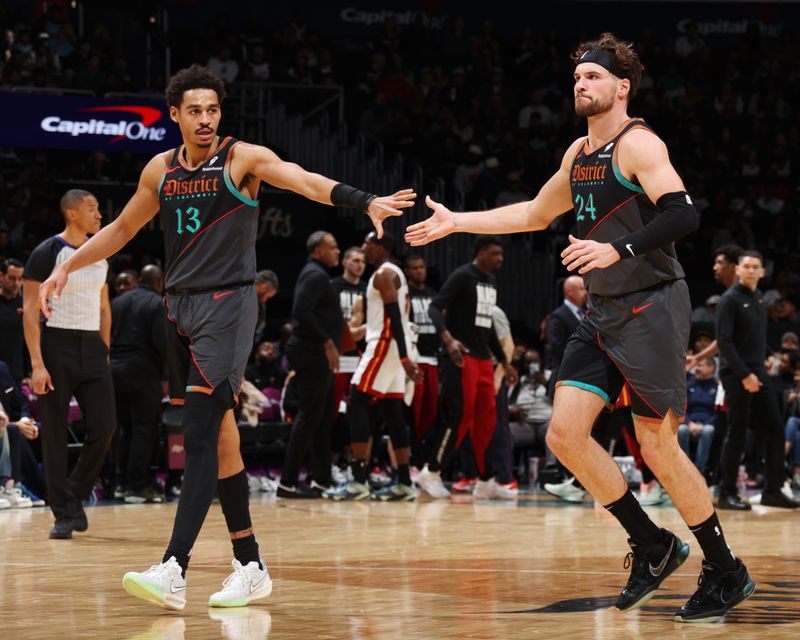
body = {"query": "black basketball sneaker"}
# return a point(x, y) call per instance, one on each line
point(717, 592)
point(650, 566)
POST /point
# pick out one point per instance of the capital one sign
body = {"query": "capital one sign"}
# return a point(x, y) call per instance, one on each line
point(95, 124)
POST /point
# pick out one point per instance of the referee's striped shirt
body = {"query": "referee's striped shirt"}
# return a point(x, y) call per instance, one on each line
point(79, 305)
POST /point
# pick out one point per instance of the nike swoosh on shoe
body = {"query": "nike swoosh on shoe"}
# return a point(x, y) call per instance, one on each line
point(657, 571)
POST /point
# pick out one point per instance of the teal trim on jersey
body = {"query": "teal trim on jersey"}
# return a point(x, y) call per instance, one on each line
point(236, 192)
point(625, 183)
point(161, 184)
point(586, 387)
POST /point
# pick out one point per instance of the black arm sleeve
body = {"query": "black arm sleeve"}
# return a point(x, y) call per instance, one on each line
point(725, 320)
point(392, 311)
point(444, 300)
point(678, 218)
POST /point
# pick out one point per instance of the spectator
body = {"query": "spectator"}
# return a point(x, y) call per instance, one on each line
point(792, 415)
point(125, 281)
point(699, 421)
point(12, 346)
point(314, 356)
point(530, 408)
point(258, 64)
point(562, 322)
point(266, 286)
point(22, 478)
point(137, 364)
point(223, 66)
point(706, 312)
point(266, 371)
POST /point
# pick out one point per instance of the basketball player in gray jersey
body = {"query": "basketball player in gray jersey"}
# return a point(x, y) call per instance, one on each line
point(206, 191)
point(630, 207)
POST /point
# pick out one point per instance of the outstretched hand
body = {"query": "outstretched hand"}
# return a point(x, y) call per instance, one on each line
point(586, 255)
point(387, 206)
point(439, 225)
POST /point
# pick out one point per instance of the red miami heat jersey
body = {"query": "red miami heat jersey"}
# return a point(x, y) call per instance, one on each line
point(209, 226)
point(608, 207)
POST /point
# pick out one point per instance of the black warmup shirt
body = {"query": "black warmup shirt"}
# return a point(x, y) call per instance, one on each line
point(138, 334)
point(741, 327)
point(348, 294)
point(316, 314)
point(608, 207)
point(209, 226)
point(468, 298)
point(428, 340)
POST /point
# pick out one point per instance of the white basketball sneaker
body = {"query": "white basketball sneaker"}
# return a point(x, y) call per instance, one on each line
point(245, 584)
point(161, 584)
point(566, 490)
point(431, 482)
point(485, 489)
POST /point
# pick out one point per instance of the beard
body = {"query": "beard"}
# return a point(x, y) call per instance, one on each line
point(592, 107)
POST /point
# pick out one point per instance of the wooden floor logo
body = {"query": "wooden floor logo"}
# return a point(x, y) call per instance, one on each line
point(774, 602)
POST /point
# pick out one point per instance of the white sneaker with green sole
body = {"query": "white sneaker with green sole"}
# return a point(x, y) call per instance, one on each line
point(161, 584)
point(247, 583)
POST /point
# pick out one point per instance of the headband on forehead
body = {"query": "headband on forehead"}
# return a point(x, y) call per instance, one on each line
point(604, 59)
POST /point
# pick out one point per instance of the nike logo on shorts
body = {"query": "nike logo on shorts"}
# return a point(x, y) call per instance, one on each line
point(657, 571)
point(635, 309)
point(219, 295)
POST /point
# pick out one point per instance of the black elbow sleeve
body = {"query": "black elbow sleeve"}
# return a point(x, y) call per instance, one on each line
point(678, 218)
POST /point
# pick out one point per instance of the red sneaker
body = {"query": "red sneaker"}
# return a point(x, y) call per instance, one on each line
point(464, 485)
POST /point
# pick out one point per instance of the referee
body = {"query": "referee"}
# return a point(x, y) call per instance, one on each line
point(69, 356)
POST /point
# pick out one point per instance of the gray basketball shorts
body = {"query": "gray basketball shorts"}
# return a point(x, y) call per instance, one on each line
point(209, 339)
point(639, 340)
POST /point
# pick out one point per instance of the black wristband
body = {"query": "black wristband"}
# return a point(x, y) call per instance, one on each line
point(392, 310)
point(343, 195)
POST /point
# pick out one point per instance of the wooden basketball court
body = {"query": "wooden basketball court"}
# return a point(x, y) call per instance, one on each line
point(430, 569)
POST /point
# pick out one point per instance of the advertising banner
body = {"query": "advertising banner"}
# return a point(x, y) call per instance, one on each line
point(93, 124)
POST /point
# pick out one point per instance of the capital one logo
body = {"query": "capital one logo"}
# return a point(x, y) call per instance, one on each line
point(122, 129)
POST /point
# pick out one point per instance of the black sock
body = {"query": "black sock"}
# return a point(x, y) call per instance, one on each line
point(404, 474)
point(181, 556)
point(712, 541)
point(359, 468)
point(234, 496)
point(633, 518)
point(246, 550)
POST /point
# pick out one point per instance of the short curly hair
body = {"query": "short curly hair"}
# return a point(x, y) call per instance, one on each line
point(195, 77)
point(623, 52)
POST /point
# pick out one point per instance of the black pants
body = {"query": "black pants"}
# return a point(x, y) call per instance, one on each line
point(311, 430)
point(77, 363)
point(766, 420)
point(138, 411)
